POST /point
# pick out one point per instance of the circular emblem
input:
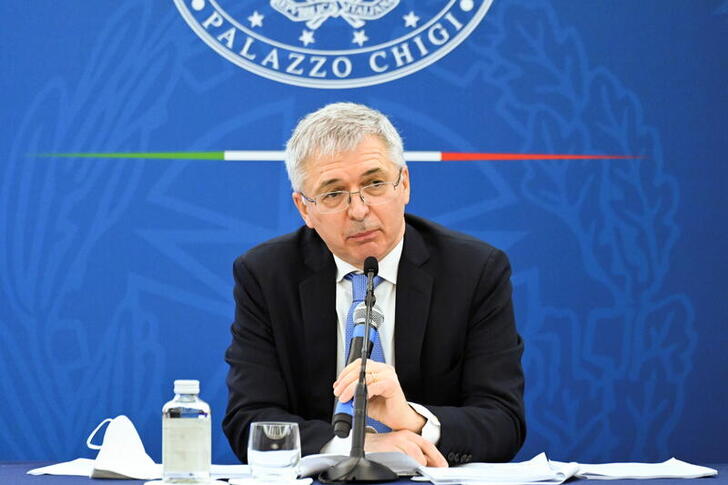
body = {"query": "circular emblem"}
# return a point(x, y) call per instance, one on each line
point(333, 43)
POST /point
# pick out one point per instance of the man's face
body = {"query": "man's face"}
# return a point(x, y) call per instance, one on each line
point(360, 230)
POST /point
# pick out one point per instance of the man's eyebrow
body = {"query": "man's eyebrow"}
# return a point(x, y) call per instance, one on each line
point(334, 181)
point(326, 183)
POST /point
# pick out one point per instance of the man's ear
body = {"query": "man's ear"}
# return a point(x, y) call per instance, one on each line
point(406, 184)
point(302, 208)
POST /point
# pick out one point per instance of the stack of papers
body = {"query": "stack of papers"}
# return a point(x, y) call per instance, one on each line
point(672, 468)
point(537, 470)
point(540, 471)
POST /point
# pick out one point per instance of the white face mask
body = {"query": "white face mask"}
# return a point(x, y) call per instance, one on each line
point(121, 453)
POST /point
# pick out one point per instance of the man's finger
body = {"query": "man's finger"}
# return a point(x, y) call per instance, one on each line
point(376, 386)
point(348, 371)
point(348, 392)
point(381, 378)
point(342, 385)
point(372, 366)
point(379, 387)
point(434, 457)
point(412, 449)
point(430, 451)
point(351, 371)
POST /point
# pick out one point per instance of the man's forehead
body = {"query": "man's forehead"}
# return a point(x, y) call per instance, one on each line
point(367, 144)
point(372, 159)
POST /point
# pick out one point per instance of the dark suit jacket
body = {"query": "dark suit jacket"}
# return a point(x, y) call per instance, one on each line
point(455, 344)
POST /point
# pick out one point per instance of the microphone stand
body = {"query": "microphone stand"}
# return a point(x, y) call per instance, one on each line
point(357, 468)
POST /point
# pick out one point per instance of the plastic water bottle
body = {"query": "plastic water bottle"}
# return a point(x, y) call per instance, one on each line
point(186, 438)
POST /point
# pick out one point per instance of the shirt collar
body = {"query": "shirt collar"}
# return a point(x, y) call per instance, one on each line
point(387, 266)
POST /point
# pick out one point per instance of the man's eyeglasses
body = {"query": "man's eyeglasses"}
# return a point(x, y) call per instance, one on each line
point(372, 194)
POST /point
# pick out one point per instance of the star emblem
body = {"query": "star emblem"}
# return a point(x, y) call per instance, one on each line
point(466, 5)
point(360, 37)
point(410, 20)
point(307, 37)
point(256, 20)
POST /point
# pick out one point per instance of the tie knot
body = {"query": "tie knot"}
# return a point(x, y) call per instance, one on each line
point(359, 285)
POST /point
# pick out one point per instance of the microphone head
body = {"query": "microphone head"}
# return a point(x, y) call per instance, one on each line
point(360, 313)
point(371, 265)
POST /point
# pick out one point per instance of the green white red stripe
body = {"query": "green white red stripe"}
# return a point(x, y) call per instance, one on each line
point(278, 156)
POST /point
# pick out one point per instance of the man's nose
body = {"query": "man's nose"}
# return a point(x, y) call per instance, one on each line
point(358, 210)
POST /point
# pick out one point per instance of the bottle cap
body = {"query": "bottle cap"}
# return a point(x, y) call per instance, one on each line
point(186, 386)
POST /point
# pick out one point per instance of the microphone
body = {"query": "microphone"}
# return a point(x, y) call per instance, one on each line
point(371, 269)
point(357, 468)
point(371, 265)
point(343, 411)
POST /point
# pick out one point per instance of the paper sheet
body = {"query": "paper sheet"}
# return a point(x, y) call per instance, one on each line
point(83, 467)
point(672, 468)
point(536, 470)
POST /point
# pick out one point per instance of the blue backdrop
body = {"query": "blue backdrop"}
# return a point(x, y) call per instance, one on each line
point(115, 272)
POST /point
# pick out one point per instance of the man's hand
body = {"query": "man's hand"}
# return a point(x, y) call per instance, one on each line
point(408, 443)
point(386, 403)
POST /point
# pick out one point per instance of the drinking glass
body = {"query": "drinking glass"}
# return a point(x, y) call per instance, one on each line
point(274, 451)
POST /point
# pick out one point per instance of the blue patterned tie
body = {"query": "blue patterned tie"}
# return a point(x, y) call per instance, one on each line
point(359, 291)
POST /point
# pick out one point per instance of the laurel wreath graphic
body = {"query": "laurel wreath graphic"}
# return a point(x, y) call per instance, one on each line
point(620, 215)
point(46, 250)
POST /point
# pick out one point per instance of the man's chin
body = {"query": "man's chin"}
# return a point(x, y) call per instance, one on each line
point(366, 250)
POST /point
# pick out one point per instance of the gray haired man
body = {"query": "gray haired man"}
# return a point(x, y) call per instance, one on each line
point(450, 386)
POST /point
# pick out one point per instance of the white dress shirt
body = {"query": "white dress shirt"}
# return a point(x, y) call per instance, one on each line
point(385, 293)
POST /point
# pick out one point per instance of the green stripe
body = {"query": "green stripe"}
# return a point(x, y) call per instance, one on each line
point(146, 155)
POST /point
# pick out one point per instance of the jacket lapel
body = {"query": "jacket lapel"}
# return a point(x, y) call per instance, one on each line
point(318, 307)
point(414, 289)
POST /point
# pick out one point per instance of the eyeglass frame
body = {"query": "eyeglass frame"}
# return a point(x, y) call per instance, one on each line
point(359, 192)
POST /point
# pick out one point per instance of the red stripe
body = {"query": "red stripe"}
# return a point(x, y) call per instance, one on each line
point(457, 156)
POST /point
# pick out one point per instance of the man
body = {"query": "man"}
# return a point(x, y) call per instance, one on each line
point(451, 386)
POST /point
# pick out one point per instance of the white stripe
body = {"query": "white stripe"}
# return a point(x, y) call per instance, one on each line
point(254, 155)
point(423, 156)
point(278, 156)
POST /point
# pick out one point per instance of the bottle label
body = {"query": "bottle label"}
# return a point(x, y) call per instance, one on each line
point(186, 449)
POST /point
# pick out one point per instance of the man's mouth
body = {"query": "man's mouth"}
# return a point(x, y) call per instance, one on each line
point(364, 235)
